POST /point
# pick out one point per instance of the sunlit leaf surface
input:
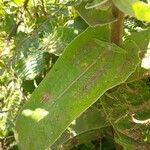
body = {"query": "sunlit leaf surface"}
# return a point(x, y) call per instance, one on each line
point(85, 71)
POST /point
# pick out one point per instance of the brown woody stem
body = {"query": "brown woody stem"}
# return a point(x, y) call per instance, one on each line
point(117, 26)
point(116, 37)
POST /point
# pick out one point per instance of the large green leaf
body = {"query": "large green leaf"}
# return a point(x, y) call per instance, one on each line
point(87, 69)
point(94, 16)
point(134, 8)
point(127, 107)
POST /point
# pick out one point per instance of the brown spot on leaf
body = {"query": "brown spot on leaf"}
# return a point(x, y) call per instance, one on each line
point(84, 65)
point(76, 93)
point(74, 141)
point(124, 65)
point(95, 76)
point(46, 97)
point(134, 134)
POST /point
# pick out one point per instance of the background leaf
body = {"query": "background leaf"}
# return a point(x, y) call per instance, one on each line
point(28, 68)
point(123, 105)
point(134, 8)
point(94, 16)
point(142, 39)
point(98, 4)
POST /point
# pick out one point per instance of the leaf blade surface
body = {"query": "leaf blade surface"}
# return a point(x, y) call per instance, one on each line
point(87, 69)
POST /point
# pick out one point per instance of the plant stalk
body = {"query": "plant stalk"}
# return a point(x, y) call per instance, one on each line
point(117, 26)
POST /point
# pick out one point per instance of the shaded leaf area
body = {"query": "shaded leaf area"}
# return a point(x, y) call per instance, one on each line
point(94, 66)
point(90, 125)
point(127, 107)
point(91, 140)
point(94, 16)
point(105, 143)
point(134, 8)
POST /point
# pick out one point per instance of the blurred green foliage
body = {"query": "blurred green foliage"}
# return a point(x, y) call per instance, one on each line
point(33, 34)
